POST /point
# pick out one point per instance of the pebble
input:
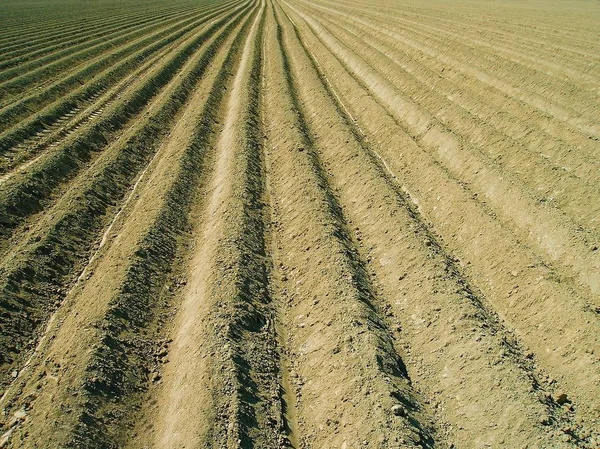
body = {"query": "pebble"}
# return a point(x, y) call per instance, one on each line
point(561, 398)
point(398, 410)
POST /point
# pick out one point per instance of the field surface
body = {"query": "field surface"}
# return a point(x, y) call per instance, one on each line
point(299, 224)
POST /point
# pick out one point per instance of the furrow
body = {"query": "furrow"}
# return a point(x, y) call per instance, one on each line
point(21, 108)
point(535, 177)
point(29, 74)
point(288, 423)
point(50, 53)
point(546, 72)
point(476, 67)
point(527, 296)
point(391, 237)
point(129, 314)
point(528, 41)
point(516, 32)
point(29, 192)
point(95, 57)
point(519, 19)
point(521, 127)
point(299, 224)
point(36, 34)
point(555, 237)
point(36, 272)
point(38, 37)
point(26, 153)
point(55, 44)
point(538, 59)
point(35, 134)
point(344, 369)
point(224, 349)
point(516, 67)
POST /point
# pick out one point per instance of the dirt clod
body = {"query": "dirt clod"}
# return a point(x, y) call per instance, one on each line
point(398, 410)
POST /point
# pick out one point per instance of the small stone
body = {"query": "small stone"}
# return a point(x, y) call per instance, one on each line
point(570, 407)
point(514, 273)
point(561, 398)
point(398, 410)
point(15, 373)
point(544, 420)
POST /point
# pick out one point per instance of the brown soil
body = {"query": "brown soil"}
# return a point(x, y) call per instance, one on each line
point(301, 224)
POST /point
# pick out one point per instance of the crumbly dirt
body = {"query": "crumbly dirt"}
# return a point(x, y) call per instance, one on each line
point(300, 224)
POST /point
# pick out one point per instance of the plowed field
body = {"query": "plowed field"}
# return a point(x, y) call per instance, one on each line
point(299, 224)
